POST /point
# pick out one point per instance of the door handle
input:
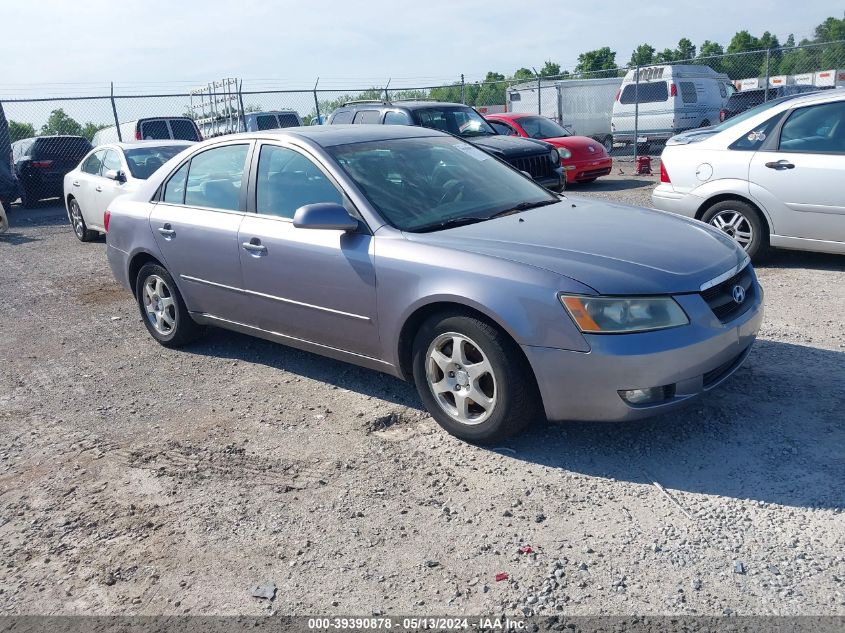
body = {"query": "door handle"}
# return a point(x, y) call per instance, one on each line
point(166, 231)
point(99, 188)
point(75, 183)
point(255, 246)
point(780, 164)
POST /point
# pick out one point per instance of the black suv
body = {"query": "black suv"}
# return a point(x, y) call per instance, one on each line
point(42, 162)
point(8, 184)
point(537, 158)
point(747, 99)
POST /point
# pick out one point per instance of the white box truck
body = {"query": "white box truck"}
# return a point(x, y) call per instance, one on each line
point(583, 106)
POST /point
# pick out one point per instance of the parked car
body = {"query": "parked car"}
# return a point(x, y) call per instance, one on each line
point(41, 163)
point(107, 172)
point(250, 122)
point(8, 180)
point(745, 99)
point(179, 128)
point(538, 158)
point(770, 176)
point(583, 159)
point(413, 252)
point(672, 99)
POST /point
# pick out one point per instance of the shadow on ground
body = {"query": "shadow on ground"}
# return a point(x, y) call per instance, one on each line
point(781, 258)
point(774, 432)
point(44, 213)
point(608, 185)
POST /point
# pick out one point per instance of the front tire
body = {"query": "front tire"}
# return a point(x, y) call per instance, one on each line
point(473, 378)
point(162, 308)
point(742, 223)
point(80, 229)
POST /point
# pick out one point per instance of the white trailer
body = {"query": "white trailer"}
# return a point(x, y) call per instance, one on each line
point(583, 106)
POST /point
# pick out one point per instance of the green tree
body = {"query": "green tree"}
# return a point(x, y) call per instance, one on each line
point(18, 131)
point(643, 55)
point(833, 55)
point(685, 50)
point(60, 123)
point(550, 69)
point(666, 56)
point(491, 91)
point(598, 63)
point(524, 74)
point(709, 55)
point(90, 129)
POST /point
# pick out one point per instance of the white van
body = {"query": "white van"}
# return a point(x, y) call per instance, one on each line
point(176, 128)
point(672, 99)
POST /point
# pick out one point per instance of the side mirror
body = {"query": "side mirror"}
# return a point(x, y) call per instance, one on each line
point(115, 174)
point(324, 215)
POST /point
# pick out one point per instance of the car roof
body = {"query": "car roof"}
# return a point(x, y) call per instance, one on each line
point(510, 115)
point(149, 143)
point(408, 105)
point(341, 134)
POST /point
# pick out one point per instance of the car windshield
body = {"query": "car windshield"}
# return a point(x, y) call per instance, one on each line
point(748, 114)
point(459, 120)
point(541, 127)
point(144, 161)
point(425, 184)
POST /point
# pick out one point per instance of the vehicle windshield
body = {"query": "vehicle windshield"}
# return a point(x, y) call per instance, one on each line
point(739, 118)
point(144, 161)
point(426, 184)
point(541, 127)
point(459, 120)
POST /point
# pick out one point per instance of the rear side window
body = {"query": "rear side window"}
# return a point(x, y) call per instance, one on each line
point(288, 119)
point(648, 93)
point(343, 117)
point(367, 116)
point(70, 148)
point(215, 176)
point(156, 130)
point(266, 122)
point(174, 191)
point(93, 163)
point(688, 92)
point(184, 130)
point(396, 117)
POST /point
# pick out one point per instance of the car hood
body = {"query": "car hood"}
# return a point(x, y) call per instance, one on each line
point(510, 146)
point(614, 249)
point(579, 146)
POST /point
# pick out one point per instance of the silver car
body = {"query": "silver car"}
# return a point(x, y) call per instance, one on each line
point(412, 252)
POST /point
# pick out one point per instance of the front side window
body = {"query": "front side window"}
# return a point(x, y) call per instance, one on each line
point(502, 128)
point(816, 129)
point(93, 163)
point(111, 161)
point(396, 117)
point(215, 176)
point(541, 127)
point(144, 161)
point(647, 92)
point(367, 116)
point(424, 184)
point(288, 180)
point(154, 130)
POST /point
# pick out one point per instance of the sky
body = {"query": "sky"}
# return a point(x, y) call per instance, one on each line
point(162, 43)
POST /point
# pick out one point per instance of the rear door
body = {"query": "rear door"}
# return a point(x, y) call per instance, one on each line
point(195, 224)
point(84, 185)
point(800, 180)
point(316, 285)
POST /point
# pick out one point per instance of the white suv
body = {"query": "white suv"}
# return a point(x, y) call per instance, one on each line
point(772, 176)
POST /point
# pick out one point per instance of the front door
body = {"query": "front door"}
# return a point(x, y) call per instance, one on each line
point(195, 225)
point(800, 182)
point(103, 190)
point(315, 285)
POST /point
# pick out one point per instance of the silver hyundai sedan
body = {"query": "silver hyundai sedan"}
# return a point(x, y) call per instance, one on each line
point(412, 252)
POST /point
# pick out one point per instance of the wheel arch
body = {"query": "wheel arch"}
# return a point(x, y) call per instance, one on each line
point(136, 263)
point(709, 202)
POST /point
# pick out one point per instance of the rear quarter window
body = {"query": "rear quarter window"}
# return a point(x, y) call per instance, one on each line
point(184, 130)
point(342, 117)
point(288, 119)
point(367, 116)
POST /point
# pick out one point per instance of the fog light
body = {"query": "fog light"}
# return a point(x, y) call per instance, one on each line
point(646, 396)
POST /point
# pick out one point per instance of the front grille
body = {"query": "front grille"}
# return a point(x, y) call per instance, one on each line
point(538, 166)
point(715, 375)
point(720, 297)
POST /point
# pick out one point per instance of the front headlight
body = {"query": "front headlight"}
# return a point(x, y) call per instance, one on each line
point(564, 153)
point(554, 156)
point(618, 315)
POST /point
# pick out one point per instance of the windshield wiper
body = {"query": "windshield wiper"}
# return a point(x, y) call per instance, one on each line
point(452, 223)
point(524, 206)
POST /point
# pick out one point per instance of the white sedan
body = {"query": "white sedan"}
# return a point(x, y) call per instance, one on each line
point(772, 176)
point(107, 172)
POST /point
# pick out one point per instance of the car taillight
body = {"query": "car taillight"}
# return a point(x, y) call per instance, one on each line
point(107, 219)
point(674, 90)
point(41, 164)
point(664, 175)
point(723, 114)
point(618, 92)
point(137, 135)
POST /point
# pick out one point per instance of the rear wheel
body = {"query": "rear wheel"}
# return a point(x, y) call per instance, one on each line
point(742, 223)
point(473, 378)
point(80, 229)
point(162, 308)
point(28, 197)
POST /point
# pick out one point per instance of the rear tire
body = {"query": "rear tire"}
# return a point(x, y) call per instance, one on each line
point(77, 222)
point(162, 308)
point(742, 223)
point(473, 378)
point(28, 197)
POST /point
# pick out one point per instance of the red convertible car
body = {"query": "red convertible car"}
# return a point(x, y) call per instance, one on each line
point(583, 159)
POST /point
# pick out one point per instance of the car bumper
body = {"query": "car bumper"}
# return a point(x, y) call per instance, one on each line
point(554, 183)
point(688, 361)
point(667, 199)
point(119, 263)
point(587, 169)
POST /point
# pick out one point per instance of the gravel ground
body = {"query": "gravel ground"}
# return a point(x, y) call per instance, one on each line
point(140, 480)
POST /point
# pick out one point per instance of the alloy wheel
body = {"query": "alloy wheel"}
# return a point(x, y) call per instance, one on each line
point(736, 225)
point(76, 219)
point(461, 378)
point(159, 305)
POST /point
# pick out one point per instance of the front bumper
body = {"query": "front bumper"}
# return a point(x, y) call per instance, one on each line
point(554, 183)
point(587, 169)
point(688, 360)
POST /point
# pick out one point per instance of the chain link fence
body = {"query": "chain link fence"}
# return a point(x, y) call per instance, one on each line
point(630, 110)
